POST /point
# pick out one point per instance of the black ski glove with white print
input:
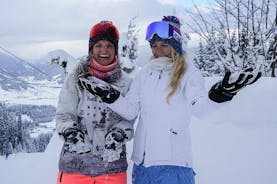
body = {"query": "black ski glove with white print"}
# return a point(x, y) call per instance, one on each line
point(73, 135)
point(114, 141)
point(97, 87)
point(226, 89)
point(74, 141)
point(113, 137)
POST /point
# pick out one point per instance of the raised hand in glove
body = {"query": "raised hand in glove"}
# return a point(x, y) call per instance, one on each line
point(226, 89)
point(114, 144)
point(99, 88)
point(74, 141)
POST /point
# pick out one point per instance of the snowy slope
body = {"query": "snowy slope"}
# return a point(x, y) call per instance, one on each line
point(39, 93)
point(11, 69)
point(237, 144)
point(14, 66)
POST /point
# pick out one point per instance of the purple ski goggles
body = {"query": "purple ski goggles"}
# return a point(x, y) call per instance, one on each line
point(164, 30)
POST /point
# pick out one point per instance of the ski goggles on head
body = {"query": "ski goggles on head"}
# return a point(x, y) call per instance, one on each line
point(164, 30)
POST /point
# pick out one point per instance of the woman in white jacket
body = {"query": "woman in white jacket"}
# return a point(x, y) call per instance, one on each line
point(164, 96)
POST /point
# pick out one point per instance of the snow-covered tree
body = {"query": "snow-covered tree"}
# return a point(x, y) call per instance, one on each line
point(61, 63)
point(199, 60)
point(5, 118)
point(239, 27)
point(205, 61)
point(40, 143)
point(15, 131)
point(8, 131)
point(129, 47)
point(272, 49)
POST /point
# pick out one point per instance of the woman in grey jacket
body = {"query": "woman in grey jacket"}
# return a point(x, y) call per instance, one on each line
point(95, 136)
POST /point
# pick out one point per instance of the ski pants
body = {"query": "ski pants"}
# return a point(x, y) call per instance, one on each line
point(162, 174)
point(71, 178)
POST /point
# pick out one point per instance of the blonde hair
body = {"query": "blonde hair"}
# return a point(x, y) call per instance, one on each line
point(179, 67)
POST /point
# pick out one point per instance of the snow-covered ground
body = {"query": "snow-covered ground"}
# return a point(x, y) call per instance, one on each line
point(237, 144)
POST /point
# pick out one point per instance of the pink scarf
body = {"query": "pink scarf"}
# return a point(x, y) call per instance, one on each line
point(109, 72)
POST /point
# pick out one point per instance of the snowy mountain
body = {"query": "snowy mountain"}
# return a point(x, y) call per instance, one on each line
point(18, 74)
point(12, 72)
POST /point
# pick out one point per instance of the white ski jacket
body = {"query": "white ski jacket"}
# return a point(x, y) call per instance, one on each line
point(162, 135)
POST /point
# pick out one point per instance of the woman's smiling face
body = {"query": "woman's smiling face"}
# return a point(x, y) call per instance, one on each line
point(103, 52)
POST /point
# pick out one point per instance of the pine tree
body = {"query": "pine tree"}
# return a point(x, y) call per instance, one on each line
point(243, 48)
point(5, 129)
point(19, 140)
point(249, 45)
point(271, 57)
point(199, 61)
point(129, 49)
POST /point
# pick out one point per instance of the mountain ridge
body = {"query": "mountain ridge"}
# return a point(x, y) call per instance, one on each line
point(18, 74)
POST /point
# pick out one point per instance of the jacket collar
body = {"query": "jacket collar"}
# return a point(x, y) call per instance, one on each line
point(161, 63)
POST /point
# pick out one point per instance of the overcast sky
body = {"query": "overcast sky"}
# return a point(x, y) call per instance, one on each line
point(31, 28)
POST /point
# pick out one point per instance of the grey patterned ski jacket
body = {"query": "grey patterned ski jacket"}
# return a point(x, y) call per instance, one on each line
point(95, 119)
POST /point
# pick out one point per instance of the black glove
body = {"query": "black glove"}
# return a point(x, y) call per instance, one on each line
point(73, 135)
point(226, 89)
point(97, 87)
point(114, 137)
point(74, 141)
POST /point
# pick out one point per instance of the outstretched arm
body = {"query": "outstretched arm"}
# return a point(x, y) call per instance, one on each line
point(203, 103)
point(126, 106)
